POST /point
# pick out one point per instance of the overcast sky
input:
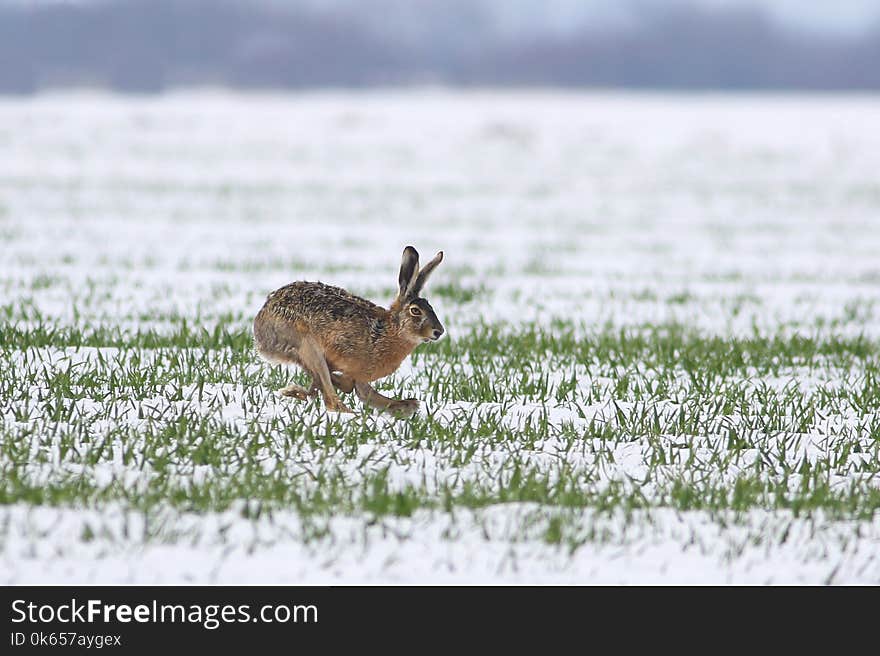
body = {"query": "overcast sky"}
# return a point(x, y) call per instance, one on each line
point(150, 45)
point(845, 16)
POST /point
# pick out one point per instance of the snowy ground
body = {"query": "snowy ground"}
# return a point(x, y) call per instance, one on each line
point(662, 362)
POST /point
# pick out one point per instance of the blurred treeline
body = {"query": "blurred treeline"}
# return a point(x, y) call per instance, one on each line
point(150, 45)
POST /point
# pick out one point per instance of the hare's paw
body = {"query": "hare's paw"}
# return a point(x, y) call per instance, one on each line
point(338, 406)
point(297, 392)
point(404, 408)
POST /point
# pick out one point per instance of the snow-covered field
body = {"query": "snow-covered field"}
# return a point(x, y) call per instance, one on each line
point(661, 364)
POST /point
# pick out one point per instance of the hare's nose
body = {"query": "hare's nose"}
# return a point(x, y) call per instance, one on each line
point(437, 332)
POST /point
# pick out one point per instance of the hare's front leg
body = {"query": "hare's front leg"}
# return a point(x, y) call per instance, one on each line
point(342, 382)
point(370, 397)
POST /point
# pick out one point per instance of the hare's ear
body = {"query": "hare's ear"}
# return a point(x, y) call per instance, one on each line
point(425, 272)
point(409, 271)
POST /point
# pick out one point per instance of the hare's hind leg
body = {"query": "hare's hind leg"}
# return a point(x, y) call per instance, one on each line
point(370, 397)
point(278, 342)
point(313, 359)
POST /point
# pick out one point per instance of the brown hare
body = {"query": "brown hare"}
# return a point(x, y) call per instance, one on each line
point(345, 341)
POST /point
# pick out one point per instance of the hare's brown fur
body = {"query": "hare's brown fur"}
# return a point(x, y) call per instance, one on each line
point(346, 341)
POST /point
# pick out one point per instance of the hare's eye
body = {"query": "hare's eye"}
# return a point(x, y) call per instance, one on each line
point(416, 312)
